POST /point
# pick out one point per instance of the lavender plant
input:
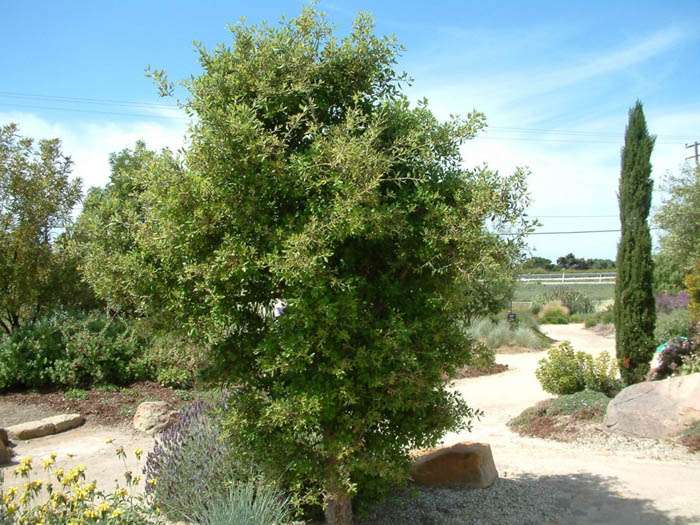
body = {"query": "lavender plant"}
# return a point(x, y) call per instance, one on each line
point(190, 463)
point(667, 303)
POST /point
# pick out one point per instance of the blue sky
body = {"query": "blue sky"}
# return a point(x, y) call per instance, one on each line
point(555, 81)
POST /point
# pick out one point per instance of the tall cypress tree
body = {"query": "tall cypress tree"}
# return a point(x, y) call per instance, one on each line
point(635, 309)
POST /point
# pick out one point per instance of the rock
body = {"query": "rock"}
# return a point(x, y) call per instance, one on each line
point(5, 453)
point(463, 464)
point(154, 416)
point(45, 427)
point(4, 439)
point(31, 430)
point(655, 409)
point(64, 422)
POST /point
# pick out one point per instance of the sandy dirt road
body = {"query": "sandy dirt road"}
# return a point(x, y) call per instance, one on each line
point(597, 486)
point(593, 486)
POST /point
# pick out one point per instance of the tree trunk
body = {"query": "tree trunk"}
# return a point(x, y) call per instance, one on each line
point(338, 510)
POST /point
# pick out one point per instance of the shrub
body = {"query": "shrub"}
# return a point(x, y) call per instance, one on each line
point(575, 301)
point(576, 318)
point(676, 323)
point(251, 503)
point(99, 349)
point(590, 321)
point(482, 356)
point(565, 371)
point(176, 361)
point(587, 399)
point(672, 358)
point(690, 364)
point(191, 462)
point(500, 333)
point(27, 355)
point(668, 303)
point(554, 309)
point(76, 501)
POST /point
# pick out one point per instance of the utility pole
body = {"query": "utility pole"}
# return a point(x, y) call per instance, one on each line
point(695, 145)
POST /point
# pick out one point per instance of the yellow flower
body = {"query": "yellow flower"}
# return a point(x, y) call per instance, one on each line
point(138, 453)
point(47, 463)
point(69, 454)
point(117, 512)
point(152, 481)
point(23, 498)
point(53, 455)
point(12, 508)
point(121, 493)
point(12, 492)
point(103, 507)
point(109, 440)
point(137, 479)
point(90, 513)
point(26, 461)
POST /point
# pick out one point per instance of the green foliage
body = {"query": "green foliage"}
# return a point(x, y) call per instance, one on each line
point(75, 394)
point(28, 354)
point(576, 301)
point(73, 351)
point(588, 399)
point(565, 371)
point(668, 275)
point(36, 197)
point(679, 216)
point(177, 361)
point(634, 295)
point(673, 324)
point(482, 356)
point(310, 177)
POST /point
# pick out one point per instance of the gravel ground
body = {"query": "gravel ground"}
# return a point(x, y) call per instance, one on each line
point(516, 501)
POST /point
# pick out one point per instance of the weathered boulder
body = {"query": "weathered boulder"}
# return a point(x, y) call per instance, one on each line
point(463, 464)
point(656, 409)
point(4, 439)
point(154, 416)
point(45, 427)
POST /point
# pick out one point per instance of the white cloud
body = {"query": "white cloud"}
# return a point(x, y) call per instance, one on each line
point(89, 144)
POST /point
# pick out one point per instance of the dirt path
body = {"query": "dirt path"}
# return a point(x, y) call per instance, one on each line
point(591, 485)
point(597, 486)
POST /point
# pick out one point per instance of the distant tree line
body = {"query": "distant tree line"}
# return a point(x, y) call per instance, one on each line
point(566, 262)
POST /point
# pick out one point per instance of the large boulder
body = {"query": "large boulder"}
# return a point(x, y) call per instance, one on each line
point(656, 409)
point(154, 416)
point(464, 465)
point(4, 439)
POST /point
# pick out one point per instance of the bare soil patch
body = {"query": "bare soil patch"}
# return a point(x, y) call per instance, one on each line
point(603, 330)
point(514, 349)
point(101, 407)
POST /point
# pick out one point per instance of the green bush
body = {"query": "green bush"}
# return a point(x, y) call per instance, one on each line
point(99, 350)
point(590, 321)
point(28, 354)
point(482, 356)
point(576, 318)
point(176, 361)
point(676, 323)
point(576, 301)
point(68, 350)
point(565, 371)
point(554, 309)
point(587, 399)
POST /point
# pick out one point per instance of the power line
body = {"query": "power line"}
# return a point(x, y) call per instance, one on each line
point(94, 111)
point(566, 233)
point(83, 100)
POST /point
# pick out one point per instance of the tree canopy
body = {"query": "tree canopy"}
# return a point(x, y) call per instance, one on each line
point(311, 178)
point(37, 196)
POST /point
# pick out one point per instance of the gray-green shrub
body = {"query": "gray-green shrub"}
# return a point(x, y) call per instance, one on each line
point(565, 371)
point(676, 323)
point(250, 502)
point(500, 333)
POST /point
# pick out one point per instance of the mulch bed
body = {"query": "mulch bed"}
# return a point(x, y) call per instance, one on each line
point(100, 407)
point(496, 368)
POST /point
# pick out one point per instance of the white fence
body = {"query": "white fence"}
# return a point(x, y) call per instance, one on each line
point(559, 278)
